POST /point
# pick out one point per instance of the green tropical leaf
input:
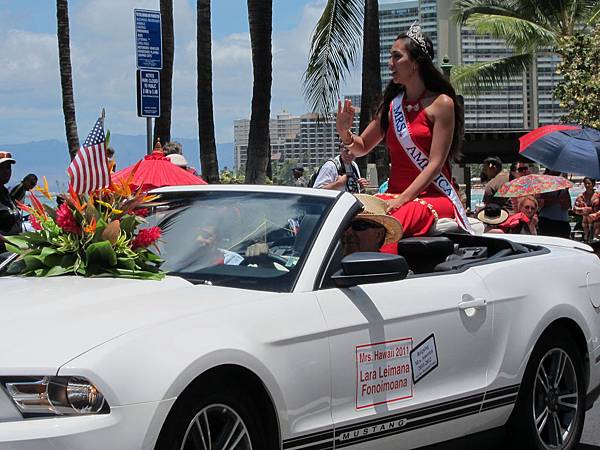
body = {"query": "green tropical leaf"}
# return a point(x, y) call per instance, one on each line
point(99, 256)
point(19, 242)
point(33, 262)
point(334, 46)
point(16, 267)
point(525, 36)
point(126, 263)
point(474, 79)
point(13, 249)
point(58, 270)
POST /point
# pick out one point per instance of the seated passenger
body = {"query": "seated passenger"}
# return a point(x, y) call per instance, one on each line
point(371, 228)
point(493, 216)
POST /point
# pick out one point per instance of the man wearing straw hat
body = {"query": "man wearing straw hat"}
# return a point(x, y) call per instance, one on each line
point(371, 228)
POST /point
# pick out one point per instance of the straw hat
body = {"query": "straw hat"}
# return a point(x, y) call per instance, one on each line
point(492, 214)
point(374, 210)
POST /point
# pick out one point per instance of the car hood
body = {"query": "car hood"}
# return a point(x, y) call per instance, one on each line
point(45, 322)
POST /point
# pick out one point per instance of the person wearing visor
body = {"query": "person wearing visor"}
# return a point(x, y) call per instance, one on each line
point(11, 222)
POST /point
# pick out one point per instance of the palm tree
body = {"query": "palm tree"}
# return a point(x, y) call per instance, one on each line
point(66, 78)
point(530, 27)
point(260, 15)
point(206, 124)
point(162, 125)
point(334, 47)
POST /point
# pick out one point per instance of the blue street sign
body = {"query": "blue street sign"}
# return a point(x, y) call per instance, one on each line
point(148, 93)
point(148, 39)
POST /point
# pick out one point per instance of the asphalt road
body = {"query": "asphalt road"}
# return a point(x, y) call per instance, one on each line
point(590, 440)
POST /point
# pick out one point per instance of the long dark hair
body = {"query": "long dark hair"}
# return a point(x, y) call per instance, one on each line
point(434, 82)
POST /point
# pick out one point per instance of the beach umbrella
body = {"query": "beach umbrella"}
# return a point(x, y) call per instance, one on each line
point(157, 170)
point(564, 148)
point(533, 184)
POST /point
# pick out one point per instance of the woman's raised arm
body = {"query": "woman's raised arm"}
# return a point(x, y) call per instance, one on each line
point(356, 145)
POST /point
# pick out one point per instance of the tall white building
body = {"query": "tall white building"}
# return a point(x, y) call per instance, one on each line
point(303, 138)
point(503, 108)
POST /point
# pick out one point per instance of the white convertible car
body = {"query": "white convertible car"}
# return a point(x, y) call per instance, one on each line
point(300, 348)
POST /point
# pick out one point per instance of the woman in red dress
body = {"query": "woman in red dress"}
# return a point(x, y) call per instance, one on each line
point(421, 122)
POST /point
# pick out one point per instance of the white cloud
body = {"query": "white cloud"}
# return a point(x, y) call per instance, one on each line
point(103, 59)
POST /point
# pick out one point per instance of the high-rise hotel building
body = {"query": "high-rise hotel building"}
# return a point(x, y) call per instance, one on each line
point(303, 139)
point(503, 108)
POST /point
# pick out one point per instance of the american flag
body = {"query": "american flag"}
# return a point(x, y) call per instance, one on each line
point(89, 169)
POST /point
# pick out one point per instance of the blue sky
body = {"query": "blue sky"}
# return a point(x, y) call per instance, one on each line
point(103, 59)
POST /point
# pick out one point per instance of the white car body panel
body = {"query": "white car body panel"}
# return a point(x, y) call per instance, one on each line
point(143, 342)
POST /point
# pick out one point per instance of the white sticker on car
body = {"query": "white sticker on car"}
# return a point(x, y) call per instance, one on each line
point(423, 358)
point(383, 372)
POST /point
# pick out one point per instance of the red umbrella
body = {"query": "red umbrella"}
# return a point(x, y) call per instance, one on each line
point(156, 170)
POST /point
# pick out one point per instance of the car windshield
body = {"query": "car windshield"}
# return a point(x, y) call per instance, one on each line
point(248, 240)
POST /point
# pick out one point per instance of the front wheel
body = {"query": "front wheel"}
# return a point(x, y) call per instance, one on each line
point(550, 409)
point(218, 417)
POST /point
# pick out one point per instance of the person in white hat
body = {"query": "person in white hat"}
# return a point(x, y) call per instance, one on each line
point(10, 215)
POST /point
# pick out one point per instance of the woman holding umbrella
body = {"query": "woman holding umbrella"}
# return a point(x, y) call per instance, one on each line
point(586, 205)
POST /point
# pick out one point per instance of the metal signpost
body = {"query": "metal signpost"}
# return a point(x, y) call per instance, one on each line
point(148, 52)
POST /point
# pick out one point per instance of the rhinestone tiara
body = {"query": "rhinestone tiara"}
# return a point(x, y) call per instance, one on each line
point(416, 35)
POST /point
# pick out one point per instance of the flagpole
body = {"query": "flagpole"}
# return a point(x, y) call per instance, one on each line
point(149, 135)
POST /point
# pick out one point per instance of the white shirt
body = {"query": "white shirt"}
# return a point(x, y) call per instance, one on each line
point(328, 173)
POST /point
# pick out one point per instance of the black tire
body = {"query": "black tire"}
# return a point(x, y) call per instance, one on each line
point(552, 406)
point(217, 401)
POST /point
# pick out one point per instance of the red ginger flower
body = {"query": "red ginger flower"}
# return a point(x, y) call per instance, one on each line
point(66, 220)
point(146, 237)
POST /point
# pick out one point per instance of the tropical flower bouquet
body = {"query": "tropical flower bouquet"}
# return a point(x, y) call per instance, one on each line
point(96, 234)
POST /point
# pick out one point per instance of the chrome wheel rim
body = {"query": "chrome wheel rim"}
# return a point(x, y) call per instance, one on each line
point(216, 427)
point(555, 399)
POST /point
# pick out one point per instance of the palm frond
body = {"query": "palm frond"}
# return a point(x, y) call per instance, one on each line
point(594, 14)
point(474, 79)
point(523, 35)
point(334, 45)
point(463, 9)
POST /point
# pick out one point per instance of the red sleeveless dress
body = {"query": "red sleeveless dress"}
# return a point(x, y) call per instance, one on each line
point(419, 215)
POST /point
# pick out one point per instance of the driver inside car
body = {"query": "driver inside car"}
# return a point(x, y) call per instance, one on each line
point(370, 229)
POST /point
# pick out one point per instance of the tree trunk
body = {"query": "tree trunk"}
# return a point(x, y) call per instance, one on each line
point(260, 14)
point(206, 124)
point(66, 77)
point(371, 87)
point(162, 124)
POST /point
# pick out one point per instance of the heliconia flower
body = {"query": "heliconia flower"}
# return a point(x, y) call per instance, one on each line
point(146, 237)
point(35, 223)
point(39, 208)
point(91, 228)
point(44, 190)
point(23, 206)
point(66, 220)
point(74, 199)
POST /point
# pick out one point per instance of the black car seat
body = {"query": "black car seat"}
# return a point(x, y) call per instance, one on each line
point(424, 253)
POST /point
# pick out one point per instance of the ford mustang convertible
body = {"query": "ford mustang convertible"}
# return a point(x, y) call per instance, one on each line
point(264, 335)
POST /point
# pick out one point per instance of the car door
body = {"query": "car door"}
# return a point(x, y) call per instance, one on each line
point(408, 359)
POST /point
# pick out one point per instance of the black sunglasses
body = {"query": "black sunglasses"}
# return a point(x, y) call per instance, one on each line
point(523, 169)
point(362, 225)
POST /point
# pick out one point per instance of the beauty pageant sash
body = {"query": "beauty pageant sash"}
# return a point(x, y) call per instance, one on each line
point(421, 160)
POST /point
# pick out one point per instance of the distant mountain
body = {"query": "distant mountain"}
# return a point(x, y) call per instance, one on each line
point(50, 158)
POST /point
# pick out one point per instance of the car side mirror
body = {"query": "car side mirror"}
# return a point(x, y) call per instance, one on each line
point(370, 267)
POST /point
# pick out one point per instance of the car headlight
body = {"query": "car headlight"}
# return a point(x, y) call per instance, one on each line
point(54, 396)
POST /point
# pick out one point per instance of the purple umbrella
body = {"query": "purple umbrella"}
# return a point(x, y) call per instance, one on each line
point(564, 148)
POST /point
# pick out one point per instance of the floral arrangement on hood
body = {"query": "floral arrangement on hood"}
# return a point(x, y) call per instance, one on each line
point(96, 234)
